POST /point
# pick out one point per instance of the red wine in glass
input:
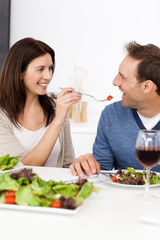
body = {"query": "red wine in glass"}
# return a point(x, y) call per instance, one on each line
point(148, 154)
point(148, 157)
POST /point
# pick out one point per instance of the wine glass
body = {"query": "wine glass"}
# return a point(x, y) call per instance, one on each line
point(148, 154)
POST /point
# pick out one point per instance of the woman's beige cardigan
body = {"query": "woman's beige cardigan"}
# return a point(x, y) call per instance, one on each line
point(9, 144)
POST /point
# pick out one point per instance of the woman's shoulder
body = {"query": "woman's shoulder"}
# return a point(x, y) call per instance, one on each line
point(3, 115)
point(4, 118)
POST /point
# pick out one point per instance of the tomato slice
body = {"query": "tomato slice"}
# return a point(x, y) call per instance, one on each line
point(10, 193)
point(10, 200)
point(114, 179)
point(56, 204)
point(109, 97)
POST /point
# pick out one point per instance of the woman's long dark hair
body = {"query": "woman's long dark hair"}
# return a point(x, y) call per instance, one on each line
point(12, 89)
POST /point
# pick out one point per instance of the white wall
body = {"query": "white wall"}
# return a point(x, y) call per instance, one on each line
point(89, 32)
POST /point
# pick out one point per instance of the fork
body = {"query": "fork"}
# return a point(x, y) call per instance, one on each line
point(98, 100)
point(102, 177)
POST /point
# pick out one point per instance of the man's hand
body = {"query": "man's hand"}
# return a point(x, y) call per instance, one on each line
point(85, 163)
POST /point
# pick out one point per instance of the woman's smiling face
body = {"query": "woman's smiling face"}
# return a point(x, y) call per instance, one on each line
point(38, 75)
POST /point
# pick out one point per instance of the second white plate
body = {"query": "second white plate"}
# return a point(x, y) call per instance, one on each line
point(17, 167)
point(129, 185)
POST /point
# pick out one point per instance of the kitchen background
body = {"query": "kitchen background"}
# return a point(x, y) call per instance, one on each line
point(88, 38)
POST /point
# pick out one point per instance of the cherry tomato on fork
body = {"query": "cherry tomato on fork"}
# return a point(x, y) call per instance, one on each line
point(109, 97)
point(114, 179)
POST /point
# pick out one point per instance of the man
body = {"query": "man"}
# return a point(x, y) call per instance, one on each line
point(139, 80)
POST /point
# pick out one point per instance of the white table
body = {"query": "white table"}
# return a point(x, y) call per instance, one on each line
point(113, 213)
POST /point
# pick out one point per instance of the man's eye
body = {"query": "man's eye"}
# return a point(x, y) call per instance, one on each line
point(122, 77)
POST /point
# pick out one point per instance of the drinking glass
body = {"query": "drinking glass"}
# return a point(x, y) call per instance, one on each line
point(148, 154)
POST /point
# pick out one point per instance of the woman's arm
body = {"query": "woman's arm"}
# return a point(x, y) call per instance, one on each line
point(39, 155)
point(9, 144)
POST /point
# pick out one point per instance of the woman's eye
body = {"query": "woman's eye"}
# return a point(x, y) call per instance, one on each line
point(51, 68)
point(40, 69)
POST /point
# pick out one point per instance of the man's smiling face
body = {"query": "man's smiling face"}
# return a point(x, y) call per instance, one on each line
point(128, 83)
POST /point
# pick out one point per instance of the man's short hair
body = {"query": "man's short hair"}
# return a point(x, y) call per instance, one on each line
point(149, 66)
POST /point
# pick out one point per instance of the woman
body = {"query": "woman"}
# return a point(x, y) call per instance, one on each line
point(32, 126)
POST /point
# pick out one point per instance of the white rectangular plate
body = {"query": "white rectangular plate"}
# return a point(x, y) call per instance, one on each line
point(39, 209)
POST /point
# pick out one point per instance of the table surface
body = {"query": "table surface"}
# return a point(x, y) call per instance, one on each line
point(112, 213)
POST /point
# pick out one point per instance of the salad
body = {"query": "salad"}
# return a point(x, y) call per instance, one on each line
point(27, 188)
point(7, 162)
point(132, 177)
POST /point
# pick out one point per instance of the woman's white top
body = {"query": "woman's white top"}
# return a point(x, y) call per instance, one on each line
point(29, 140)
point(149, 123)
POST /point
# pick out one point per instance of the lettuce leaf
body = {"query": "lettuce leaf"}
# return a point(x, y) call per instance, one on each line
point(7, 183)
point(41, 187)
point(23, 181)
point(7, 162)
point(131, 170)
point(26, 197)
point(2, 198)
point(155, 179)
point(85, 191)
point(67, 190)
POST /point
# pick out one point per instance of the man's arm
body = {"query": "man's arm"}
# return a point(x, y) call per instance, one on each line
point(102, 151)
